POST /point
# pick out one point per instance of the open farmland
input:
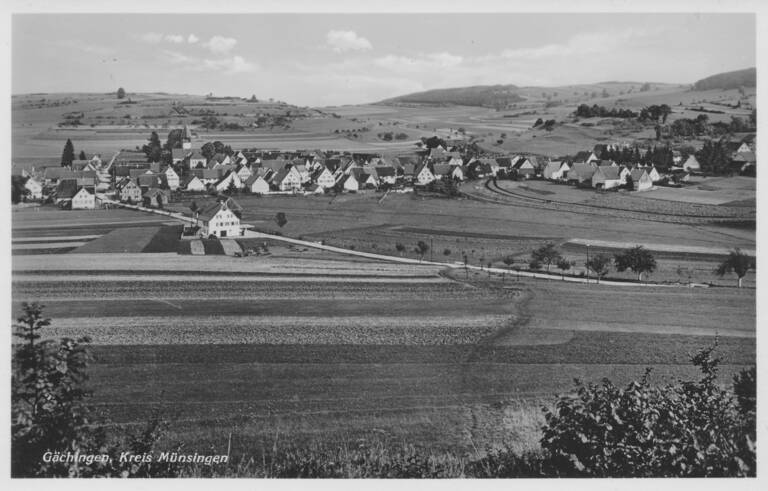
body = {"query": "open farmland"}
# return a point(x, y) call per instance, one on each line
point(307, 346)
point(488, 231)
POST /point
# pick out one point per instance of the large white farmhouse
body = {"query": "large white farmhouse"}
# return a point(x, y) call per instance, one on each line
point(219, 220)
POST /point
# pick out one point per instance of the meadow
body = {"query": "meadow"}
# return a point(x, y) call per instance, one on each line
point(259, 360)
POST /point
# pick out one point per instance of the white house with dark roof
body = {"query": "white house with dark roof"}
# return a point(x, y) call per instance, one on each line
point(323, 178)
point(34, 188)
point(350, 183)
point(83, 200)
point(219, 220)
point(640, 180)
point(172, 178)
point(230, 179)
point(423, 175)
point(193, 184)
point(287, 180)
point(129, 191)
point(257, 185)
point(606, 177)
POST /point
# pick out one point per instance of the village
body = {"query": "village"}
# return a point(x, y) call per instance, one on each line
point(130, 178)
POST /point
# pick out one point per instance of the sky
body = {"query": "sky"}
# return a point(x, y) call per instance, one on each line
point(336, 59)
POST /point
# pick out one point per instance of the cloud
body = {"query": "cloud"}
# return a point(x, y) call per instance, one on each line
point(341, 41)
point(157, 38)
point(420, 62)
point(228, 65)
point(174, 38)
point(151, 37)
point(220, 44)
point(79, 45)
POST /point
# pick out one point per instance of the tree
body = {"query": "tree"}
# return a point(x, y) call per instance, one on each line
point(208, 150)
point(564, 265)
point(736, 262)
point(400, 248)
point(154, 149)
point(509, 261)
point(280, 219)
point(546, 254)
point(121, 93)
point(82, 155)
point(49, 411)
point(175, 139)
point(68, 155)
point(599, 264)
point(421, 249)
point(18, 191)
point(47, 394)
point(638, 259)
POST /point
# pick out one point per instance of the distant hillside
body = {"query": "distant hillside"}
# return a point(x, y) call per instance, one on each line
point(479, 95)
point(728, 80)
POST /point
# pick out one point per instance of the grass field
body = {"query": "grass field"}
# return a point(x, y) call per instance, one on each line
point(487, 232)
point(292, 360)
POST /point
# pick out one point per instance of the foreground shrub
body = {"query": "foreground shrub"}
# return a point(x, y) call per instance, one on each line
point(691, 429)
point(49, 413)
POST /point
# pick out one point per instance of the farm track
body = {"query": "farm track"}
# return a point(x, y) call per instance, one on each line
point(509, 197)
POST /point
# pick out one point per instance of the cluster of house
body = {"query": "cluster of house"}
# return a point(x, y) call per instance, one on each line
point(73, 187)
point(128, 177)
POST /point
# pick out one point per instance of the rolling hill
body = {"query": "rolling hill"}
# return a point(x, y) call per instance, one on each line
point(479, 95)
point(728, 80)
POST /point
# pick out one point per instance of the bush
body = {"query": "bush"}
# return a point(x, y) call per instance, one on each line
point(49, 411)
point(692, 429)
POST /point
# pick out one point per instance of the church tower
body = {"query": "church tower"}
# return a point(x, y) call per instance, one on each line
point(186, 139)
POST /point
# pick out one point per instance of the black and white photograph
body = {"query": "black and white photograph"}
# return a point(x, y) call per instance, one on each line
point(410, 242)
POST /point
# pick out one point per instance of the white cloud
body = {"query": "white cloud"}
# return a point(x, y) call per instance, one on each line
point(220, 44)
point(342, 41)
point(192, 39)
point(151, 37)
point(228, 65)
point(174, 38)
point(420, 62)
point(77, 44)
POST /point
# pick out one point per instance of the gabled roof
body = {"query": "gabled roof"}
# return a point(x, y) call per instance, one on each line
point(608, 172)
point(383, 171)
point(67, 188)
point(210, 211)
point(185, 182)
point(637, 174)
point(280, 176)
point(581, 171)
point(274, 165)
point(505, 162)
point(205, 173)
point(552, 167)
point(745, 157)
point(152, 192)
point(421, 168)
point(582, 156)
point(360, 174)
point(522, 163)
point(152, 180)
point(253, 178)
point(442, 169)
